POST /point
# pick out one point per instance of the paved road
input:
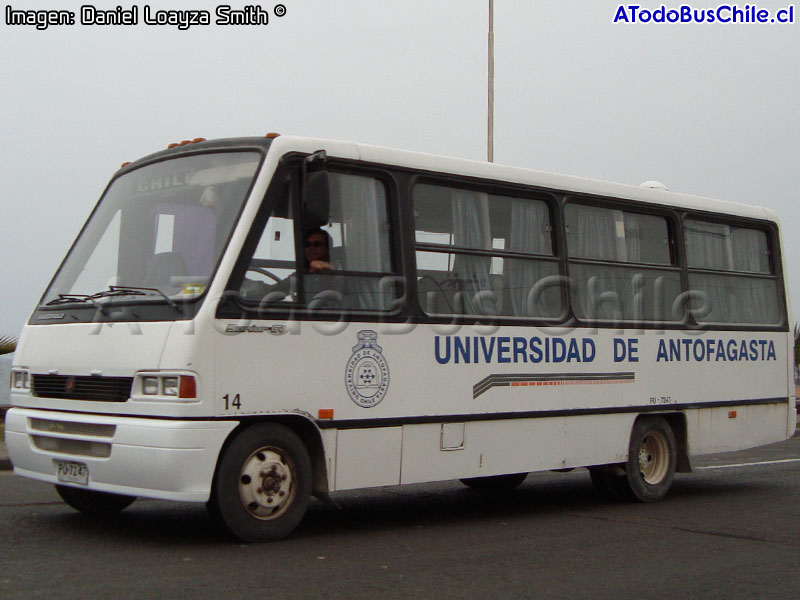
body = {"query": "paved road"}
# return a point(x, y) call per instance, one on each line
point(721, 533)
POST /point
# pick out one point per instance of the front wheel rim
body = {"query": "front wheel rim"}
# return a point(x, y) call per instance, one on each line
point(654, 457)
point(267, 483)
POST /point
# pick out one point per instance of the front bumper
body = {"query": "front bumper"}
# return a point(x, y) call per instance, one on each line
point(153, 458)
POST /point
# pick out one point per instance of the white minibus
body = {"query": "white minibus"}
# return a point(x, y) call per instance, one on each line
point(251, 322)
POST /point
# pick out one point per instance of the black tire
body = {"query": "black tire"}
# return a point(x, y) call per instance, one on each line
point(652, 458)
point(263, 483)
point(648, 473)
point(495, 483)
point(92, 502)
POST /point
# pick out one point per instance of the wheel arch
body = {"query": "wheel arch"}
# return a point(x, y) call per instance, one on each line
point(306, 430)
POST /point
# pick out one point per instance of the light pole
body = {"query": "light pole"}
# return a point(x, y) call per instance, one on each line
point(490, 124)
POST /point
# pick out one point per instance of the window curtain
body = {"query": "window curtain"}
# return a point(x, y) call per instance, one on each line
point(749, 250)
point(470, 212)
point(707, 245)
point(360, 202)
point(754, 300)
point(593, 233)
point(736, 299)
point(530, 233)
point(599, 292)
point(633, 237)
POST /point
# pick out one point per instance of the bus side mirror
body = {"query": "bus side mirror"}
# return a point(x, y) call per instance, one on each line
point(316, 190)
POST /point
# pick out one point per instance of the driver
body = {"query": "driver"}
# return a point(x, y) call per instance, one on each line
point(316, 260)
point(317, 251)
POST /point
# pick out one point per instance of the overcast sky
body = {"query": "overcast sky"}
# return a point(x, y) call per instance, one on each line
point(707, 109)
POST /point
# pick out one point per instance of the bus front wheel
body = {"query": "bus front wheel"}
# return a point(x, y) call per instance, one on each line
point(92, 502)
point(262, 487)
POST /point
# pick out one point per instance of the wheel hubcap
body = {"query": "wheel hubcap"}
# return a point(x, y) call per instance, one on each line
point(653, 458)
point(267, 483)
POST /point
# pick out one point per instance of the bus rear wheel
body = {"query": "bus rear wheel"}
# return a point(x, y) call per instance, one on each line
point(263, 482)
point(496, 483)
point(92, 502)
point(648, 473)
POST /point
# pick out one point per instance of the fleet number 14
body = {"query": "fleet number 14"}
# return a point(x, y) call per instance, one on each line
point(235, 402)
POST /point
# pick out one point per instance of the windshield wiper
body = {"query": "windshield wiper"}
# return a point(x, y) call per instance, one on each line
point(128, 290)
point(113, 290)
point(68, 298)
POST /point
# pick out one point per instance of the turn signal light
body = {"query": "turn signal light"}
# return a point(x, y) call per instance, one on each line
point(325, 413)
point(188, 387)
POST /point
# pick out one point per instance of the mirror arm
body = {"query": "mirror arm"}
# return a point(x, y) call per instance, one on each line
point(313, 162)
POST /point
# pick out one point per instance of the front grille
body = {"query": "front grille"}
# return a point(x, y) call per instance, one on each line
point(93, 387)
point(72, 427)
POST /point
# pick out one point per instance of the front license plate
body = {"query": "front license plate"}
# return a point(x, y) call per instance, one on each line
point(72, 472)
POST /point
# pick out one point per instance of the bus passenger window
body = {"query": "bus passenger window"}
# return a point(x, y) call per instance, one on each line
point(484, 255)
point(621, 266)
point(730, 271)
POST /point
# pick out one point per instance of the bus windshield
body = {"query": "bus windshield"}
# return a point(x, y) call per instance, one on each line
point(158, 232)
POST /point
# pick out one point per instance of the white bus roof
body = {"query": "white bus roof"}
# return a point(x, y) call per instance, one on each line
point(492, 171)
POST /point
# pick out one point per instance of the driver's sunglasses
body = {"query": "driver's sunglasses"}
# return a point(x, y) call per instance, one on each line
point(315, 244)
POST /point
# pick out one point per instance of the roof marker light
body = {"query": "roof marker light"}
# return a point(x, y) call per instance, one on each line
point(272, 135)
point(184, 142)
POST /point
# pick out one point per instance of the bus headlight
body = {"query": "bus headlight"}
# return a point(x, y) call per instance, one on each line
point(170, 386)
point(20, 379)
point(152, 386)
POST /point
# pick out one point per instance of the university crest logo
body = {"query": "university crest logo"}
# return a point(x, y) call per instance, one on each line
point(367, 374)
